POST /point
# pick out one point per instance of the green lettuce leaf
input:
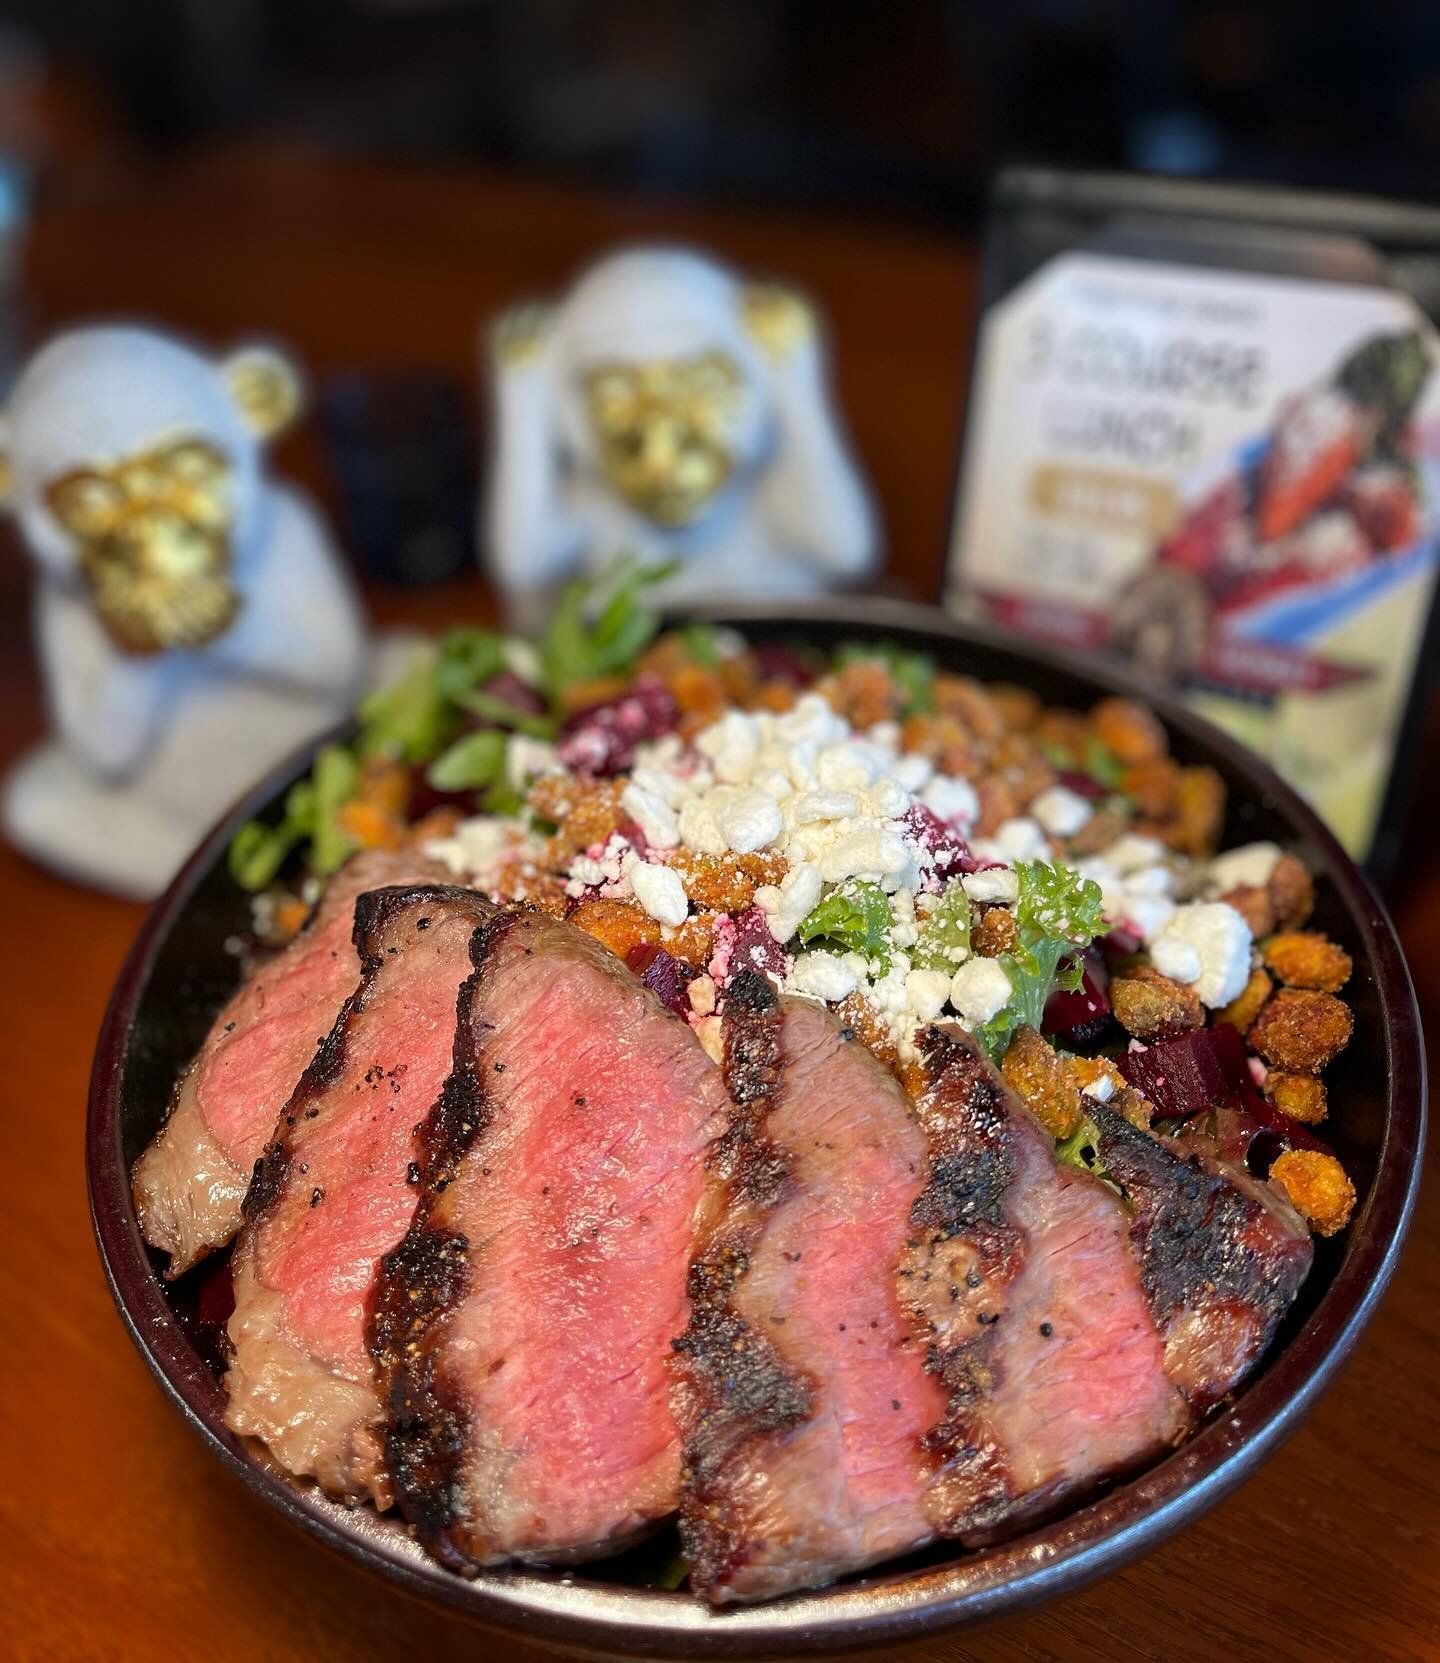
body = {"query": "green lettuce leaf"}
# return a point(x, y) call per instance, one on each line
point(856, 916)
point(1058, 914)
point(943, 939)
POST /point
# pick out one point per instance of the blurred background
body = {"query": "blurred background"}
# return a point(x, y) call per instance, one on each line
point(368, 181)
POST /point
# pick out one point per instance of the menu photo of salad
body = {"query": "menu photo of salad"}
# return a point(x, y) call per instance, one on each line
point(1231, 479)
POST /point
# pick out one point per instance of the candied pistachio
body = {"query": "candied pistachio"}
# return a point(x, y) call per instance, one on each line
point(1301, 1030)
point(622, 926)
point(1252, 902)
point(965, 698)
point(1305, 958)
point(1317, 1186)
point(1301, 1096)
point(992, 931)
point(1292, 892)
point(1249, 1002)
point(1041, 1079)
point(1129, 731)
point(1154, 1006)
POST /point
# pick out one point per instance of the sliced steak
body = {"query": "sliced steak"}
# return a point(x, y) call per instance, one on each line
point(522, 1328)
point(1221, 1255)
point(800, 1392)
point(336, 1189)
point(190, 1182)
point(1022, 1282)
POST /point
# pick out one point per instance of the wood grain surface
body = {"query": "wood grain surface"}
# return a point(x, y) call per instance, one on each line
point(122, 1538)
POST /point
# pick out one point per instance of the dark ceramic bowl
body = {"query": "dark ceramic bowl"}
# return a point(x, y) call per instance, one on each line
point(179, 972)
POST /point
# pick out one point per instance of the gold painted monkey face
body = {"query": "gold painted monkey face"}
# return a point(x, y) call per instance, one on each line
point(665, 431)
point(153, 535)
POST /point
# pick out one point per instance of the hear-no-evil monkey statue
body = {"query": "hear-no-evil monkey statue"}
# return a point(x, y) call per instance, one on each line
point(668, 408)
point(194, 624)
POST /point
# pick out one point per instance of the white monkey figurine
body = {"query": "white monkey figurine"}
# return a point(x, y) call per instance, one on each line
point(194, 623)
point(668, 408)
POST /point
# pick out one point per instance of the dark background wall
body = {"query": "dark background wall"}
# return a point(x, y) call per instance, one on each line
point(900, 108)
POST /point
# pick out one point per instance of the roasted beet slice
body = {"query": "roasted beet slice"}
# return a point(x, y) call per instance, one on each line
point(601, 740)
point(1203, 1069)
point(947, 848)
point(1080, 1017)
point(667, 977)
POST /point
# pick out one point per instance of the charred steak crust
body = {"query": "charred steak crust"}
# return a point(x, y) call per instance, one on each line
point(373, 911)
point(740, 1388)
point(956, 1265)
point(426, 1277)
point(1220, 1259)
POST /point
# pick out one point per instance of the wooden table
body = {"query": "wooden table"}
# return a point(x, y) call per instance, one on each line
point(123, 1539)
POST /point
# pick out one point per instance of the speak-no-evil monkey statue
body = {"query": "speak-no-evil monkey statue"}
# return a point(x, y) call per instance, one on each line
point(193, 622)
point(666, 407)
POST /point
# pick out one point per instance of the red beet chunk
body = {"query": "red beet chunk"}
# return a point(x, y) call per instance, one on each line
point(601, 740)
point(948, 849)
point(1083, 785)
point(667, 977)
point(755, 948)
point(1078, 1017)
point(777, 662)
point(1203, 1069)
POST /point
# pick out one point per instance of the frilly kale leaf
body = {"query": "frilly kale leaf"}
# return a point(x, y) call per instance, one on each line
point(1058, 914)
point(857, 916)
point(944, 937)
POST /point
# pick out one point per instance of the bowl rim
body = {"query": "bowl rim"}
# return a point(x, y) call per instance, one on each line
point(1080, 1546)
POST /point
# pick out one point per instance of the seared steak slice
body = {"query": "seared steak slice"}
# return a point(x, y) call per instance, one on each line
point(1221, 1255)
point(336, 1188)
point(1022, 1283)
point(801, 1396)
point(523, 1327)
point(190, 1182)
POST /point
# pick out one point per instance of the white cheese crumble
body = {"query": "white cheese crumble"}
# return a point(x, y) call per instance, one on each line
point(473, 845)
point(993, 883)
point(951, 799)
point(526, 759)
point(927, 991)
point(823, 975)
point(1061, 811)
point(979, 990)
point(787, 904)
point(654, 816)
point(659, 891)
point(1250, 865)
point(1207, 945)
point(1101, 1088)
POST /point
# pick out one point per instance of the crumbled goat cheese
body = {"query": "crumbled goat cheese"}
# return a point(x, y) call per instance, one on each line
point(789, 903)
point(1102, 1089)
point(472, 846)
point(1210, 939)
point(912, 772)
point(993, 883)
point(748, 820)
point(1023, 839)
point(521, 659)
point(731, 744)
point(823, 975)
point(1132, 851)
point(927, 991)
point(951, 799)
point(701, 994)
point(1061, 811)
point(658, 889)
point(979, 990)
point(1252, 864)
point(654, 816)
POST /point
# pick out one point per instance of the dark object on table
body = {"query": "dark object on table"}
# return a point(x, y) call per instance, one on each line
point(403, 449)
point(179, 974)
